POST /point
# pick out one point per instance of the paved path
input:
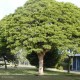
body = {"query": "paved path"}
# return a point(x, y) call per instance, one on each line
point(53, 69)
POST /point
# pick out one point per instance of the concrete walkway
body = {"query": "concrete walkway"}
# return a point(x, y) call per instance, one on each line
point(53, 69)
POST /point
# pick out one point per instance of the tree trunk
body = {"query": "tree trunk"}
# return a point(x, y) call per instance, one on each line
point(69, 62)
point(5, 64)
point(40, 57)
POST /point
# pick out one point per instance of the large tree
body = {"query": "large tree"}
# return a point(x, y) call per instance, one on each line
point(41, 25)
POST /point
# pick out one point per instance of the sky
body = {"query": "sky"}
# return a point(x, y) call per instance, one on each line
point(9, 6)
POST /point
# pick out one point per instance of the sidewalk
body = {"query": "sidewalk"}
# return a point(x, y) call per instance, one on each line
point(54, 69)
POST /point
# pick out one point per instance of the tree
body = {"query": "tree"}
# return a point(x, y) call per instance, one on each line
point(41, 25)
point(5, 52)
point(50, 59)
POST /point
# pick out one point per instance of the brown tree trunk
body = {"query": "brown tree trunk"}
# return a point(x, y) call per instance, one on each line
point(69, 62)
point(40, 57)
point(5, 64)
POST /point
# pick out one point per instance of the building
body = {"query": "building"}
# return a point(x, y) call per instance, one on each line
point(75, 63)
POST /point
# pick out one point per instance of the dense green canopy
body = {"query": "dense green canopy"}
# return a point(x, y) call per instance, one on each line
point(39, 25)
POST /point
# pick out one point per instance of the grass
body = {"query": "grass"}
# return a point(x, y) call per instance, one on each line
point(30, 74)
point(18, 71)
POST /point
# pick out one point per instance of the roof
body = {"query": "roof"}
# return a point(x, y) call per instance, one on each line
point(74, 55)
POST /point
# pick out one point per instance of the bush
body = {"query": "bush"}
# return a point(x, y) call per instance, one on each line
point(60, 67)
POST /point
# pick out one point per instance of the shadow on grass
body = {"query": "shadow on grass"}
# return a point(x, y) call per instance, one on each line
point(30, 74)
point(33, 77)
point(18, 71)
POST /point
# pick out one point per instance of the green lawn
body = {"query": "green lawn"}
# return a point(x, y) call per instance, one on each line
point(34, 77)
point(30, 74)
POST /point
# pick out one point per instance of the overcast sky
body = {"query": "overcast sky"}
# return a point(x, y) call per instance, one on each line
point(9, 6)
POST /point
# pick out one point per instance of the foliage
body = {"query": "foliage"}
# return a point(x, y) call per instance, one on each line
point(39, 25)
point(4, 51)
point(50, 59)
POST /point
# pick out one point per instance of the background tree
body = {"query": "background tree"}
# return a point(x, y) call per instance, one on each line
point(5, 52)
point(41, 25)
